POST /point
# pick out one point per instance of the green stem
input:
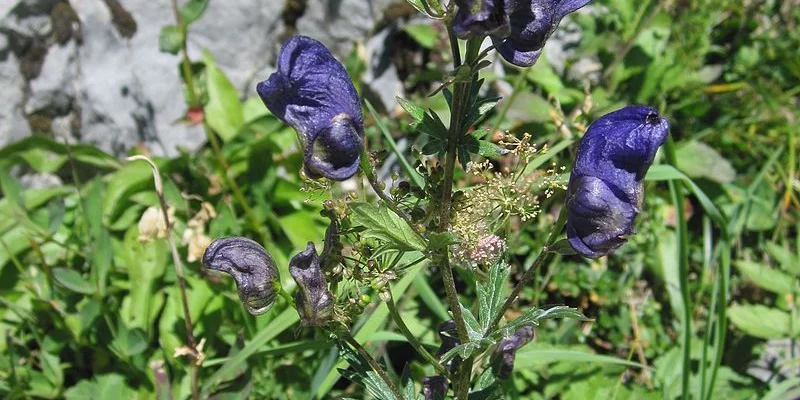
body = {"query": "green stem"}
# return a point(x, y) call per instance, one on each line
point(460, 92)
point(415, 343)
point(540, 260)
point(675, 189)
point(374, 364)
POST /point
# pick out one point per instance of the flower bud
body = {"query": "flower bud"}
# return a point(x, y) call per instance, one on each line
point(448, 335)
point(605, 191)
point(312, 92)
point(313, 300)
point(502, 360)
point(434, 387)
point(250, 266)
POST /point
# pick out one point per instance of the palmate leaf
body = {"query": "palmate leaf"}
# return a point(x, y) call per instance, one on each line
point(361, 373)
point(490, 295)
point(533, 316)
point(383, 224)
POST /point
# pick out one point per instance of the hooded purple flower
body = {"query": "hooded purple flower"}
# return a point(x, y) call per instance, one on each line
point(250, 266)
point(313, 300)
point(605, 191)
point(480, 17)
point(531, 23)
point(505, 353)
point(311, 92)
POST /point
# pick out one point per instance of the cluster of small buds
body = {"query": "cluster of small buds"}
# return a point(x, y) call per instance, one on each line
point(500, 196)
point(485, 253)
point(316, 188)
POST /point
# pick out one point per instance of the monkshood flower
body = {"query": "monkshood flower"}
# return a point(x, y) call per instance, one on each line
point(605, 191)
point(311, 92)
point(502, 360)
point(434, 387)
point(313, 300)
point(531, 24)
point(448, 335)
point(250, 266)
point(480, 17)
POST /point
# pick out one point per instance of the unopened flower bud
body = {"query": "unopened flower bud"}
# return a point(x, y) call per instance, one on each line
point(502, 360)
point(314, 301)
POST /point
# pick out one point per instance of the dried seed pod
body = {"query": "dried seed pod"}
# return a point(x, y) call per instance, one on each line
point(250, 266)
point(314, 301)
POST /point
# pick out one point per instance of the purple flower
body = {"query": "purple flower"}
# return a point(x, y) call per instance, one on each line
point(250, 266)
point(434, 387)
point(531, 23)
point(480, 17)
point(313, 300)
point(448, 335)
point(605, 192)
point(311, 92)
point(505, 353)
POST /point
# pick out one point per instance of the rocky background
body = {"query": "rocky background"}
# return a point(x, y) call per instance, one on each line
point(91, 70)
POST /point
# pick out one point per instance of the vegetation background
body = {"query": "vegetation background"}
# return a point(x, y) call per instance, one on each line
point(89, 301)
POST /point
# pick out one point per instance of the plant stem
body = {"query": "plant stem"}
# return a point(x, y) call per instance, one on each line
point(178, 264)
point(675, 189)
point(461, 91)
point(543, 256)
point(372, 363)
point(415, 343)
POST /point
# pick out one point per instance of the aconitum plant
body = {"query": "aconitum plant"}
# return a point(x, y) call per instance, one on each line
point(423, 225)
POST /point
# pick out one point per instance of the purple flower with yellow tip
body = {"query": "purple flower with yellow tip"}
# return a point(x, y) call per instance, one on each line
point(312, 92)
point(606, 189)
point(531, 24)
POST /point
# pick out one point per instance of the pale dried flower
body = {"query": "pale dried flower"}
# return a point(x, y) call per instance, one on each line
point(152, 225)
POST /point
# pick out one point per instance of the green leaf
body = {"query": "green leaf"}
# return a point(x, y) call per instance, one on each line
point(129, 342)
point(420, 6)
point(490, 294)
point(699, 160)
point(224, 111)
point(765, 277)
point(275, 327)
point(440, 240)
point(416, 112)
point(788, 261)
point(360, 372)
point(530, 356)
point(424, 34)
point(192, 10)
point(533, 316)
point(170, 40)
point(761, 321)
point(383, 224)
point(72, 280)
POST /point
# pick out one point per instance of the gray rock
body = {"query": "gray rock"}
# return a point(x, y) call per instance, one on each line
point(338, 23)
point(91, 71)
point(13, 125)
